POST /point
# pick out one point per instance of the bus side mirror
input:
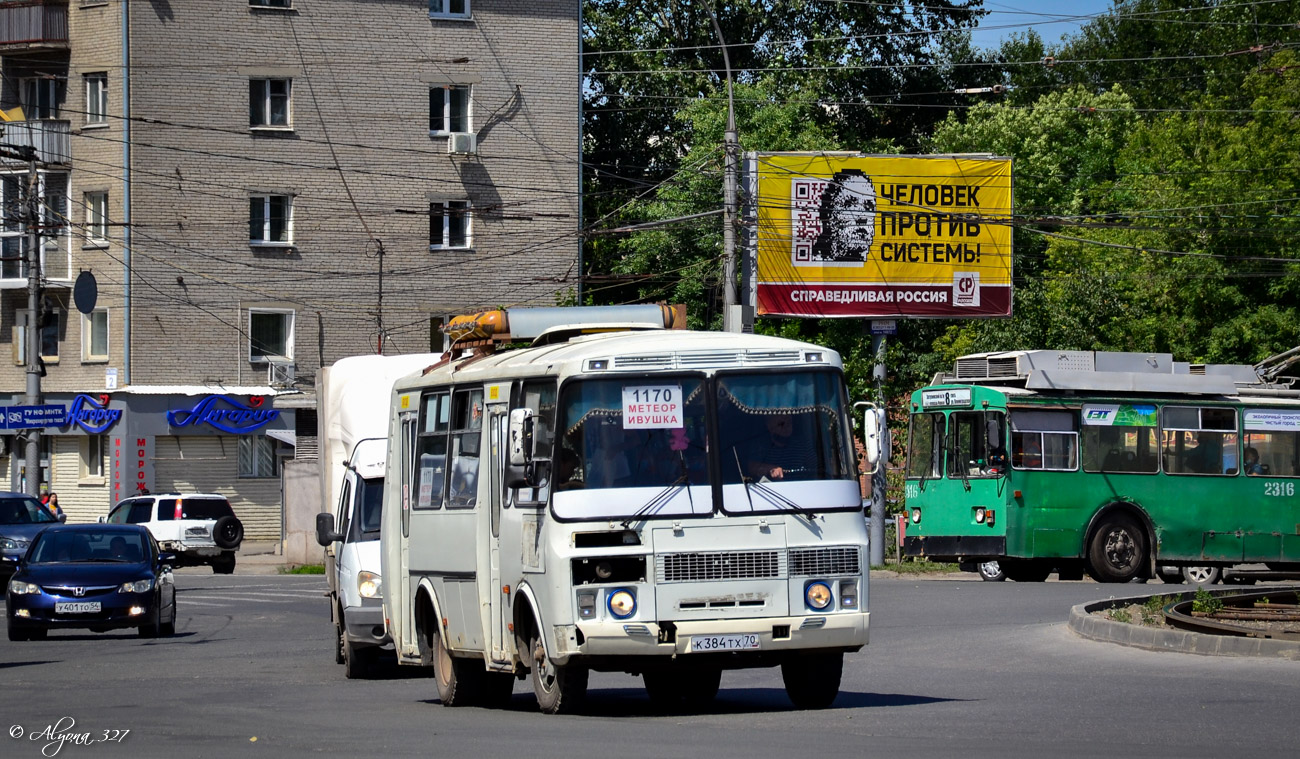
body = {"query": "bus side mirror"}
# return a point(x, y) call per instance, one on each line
point(871, 427)
point(521, 437)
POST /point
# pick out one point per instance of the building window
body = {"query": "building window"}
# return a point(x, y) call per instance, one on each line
point(268, 102)
point(97, 218)
point(448, 8)
point(92, 456)
point(96, 98)
point(94, 335)
point(270, 3)
point(270, 335)
point(49, 335)
point(41, 98)
point(449, 224)
point(270, 220)
point(257, 457)
point(449, 109)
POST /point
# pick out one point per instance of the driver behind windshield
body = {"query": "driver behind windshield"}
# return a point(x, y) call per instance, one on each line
point(782, 453)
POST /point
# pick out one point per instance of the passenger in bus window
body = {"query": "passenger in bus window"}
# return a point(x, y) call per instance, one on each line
point(1251, 464)
point(782, 454)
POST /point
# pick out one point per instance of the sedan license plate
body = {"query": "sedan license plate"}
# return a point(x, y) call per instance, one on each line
point(76, 607)
point(744, 642)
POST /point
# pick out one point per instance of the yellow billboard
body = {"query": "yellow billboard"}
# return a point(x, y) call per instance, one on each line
point(843, 235)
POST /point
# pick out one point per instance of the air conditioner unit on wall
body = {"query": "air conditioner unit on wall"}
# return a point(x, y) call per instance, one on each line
point(280, 373)
point(464, 143)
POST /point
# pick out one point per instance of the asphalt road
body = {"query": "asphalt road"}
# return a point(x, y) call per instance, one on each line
point(956, 668)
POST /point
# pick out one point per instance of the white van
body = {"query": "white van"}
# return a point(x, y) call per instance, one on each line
point(352, 410)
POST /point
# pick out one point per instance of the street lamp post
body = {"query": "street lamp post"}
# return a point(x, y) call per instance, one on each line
point(731, 143)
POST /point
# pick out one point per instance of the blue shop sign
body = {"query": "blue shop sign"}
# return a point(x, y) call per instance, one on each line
point(92, 414)
point(226, 414)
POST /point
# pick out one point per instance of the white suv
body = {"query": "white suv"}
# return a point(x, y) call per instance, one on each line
point(199, 528)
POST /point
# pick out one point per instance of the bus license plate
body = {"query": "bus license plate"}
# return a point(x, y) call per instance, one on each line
point(76, 607)
point(724, 642)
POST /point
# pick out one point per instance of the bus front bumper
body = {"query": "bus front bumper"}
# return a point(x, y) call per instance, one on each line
point(842, 631)
point(955, 547)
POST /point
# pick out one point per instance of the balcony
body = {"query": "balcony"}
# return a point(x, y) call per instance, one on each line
point(33, 25)
point(48, 136)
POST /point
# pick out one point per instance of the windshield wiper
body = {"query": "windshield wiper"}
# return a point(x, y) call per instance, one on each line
point(769, 495)
point(662, 498)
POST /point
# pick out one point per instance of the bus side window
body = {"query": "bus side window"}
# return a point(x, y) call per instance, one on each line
point(431, 450)
point(466, 430)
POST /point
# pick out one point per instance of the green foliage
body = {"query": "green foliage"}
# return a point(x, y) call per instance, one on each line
point(1206, 602)
point(303, 569)
point(1121, 615)
point(1153, 610)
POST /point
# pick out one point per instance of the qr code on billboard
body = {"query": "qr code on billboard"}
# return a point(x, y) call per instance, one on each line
point(805, 217)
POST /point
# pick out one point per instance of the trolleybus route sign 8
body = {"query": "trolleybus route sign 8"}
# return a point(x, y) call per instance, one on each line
point(649, 407)
point(744, 642)
point(957, 396)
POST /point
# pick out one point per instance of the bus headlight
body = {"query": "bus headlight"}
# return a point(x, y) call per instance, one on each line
point(369, 584)
point(817, 595)
point(916, 516)
point(622, 604)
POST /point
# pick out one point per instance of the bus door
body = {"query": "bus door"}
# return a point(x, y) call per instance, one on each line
point(498, 420)
point(401, 595)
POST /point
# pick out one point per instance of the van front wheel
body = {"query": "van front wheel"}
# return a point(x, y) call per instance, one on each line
point(560, 688)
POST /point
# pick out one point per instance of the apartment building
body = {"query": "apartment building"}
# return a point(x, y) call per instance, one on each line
point(259, 188)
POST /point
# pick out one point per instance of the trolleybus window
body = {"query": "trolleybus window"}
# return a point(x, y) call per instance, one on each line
point(431, 450)
point(1200, 440)
point(782, 427)
point(1044, 440)
point(924, 452)
point(976, 447)
point(1120, 437)
point(1274, 436)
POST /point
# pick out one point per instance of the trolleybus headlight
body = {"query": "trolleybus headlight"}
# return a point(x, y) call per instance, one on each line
point(622, 604)
point(979, 515)
point(817, 595)
point(916, 516)
point(369, 584)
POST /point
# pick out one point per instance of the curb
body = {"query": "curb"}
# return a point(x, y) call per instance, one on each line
point(1085, 624)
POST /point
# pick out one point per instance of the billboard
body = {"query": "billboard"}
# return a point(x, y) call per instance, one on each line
point(839, 235)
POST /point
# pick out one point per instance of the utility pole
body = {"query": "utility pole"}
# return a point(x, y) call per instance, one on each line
point(33, 329)
point(731, 321)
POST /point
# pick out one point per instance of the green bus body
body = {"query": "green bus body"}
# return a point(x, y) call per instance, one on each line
point(1003, 511)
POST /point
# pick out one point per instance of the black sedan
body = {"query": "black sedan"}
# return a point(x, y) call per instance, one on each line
point(97, 576)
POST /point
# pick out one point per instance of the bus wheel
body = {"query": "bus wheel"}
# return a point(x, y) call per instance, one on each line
point(560, 688)
point(455, 682)
point(1202, 575)
point(812, 681)
point(991, 571)
point(1117, 552)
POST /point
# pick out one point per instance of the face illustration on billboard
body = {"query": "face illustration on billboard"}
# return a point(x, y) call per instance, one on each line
point(846, 215)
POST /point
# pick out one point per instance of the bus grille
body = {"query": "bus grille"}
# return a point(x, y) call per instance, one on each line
point(720, 565)
point(823, 562)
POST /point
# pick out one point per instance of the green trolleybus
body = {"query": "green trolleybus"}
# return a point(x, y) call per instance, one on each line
point(1110, 463)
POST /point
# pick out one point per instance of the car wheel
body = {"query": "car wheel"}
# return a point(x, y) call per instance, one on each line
point(1118, 550)
point(1202, 575)
point(224, 564)
point(990, 571)
point(357, 660)
point(338, 641)
point(560, 688)
point(228, 532)
point(812, 681)
point(152, 628)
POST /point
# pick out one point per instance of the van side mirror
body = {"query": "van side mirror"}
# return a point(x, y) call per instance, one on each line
point(325, 533)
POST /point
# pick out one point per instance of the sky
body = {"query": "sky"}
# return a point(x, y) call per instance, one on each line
point(1051, 18)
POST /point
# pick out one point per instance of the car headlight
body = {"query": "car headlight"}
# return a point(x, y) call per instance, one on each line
point(8, 544)
point(20, 588)
point(369, 584)
point(817, 595)
point(139, 586)
point(622, 604)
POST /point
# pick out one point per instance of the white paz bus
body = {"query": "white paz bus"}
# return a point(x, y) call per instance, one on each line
point(623, 498)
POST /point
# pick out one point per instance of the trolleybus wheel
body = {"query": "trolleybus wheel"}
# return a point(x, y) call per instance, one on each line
point(1117, 551)
point(676, 686)
point(991, 571)
point(560, 688)
point(1202, 575)
point(812, 681)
